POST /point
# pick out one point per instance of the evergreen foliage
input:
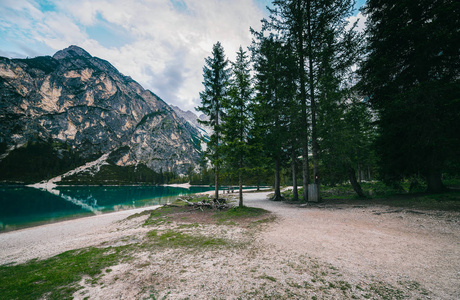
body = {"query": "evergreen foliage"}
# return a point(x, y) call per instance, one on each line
point(117, 175)
point(38, 160)
point(411, 76)
point(321, 55)
point(216, 76)
point(236, 120)
point(275, 91)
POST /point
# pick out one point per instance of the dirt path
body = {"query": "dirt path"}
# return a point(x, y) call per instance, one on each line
point(379, 242)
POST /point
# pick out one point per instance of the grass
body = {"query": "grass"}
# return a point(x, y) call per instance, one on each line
point(186, 216)
point(159, 216)
point(386, 291)
point(176, 239)
point(56, 277)
point(447, 201)
point(239, 213)
point(384, 195)
point(270, 278)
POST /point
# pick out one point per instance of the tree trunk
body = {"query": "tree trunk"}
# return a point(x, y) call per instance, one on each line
point(311, 82)
point(354, 183)
point(360, 176)
point(240, 175)
point(303, 100)
point(305, 170)
point(295, 193)
point(216, 181)
point(277, 181)
point(434, 182)
point(216, 170)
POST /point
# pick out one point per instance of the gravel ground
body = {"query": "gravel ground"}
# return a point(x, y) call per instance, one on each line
point(387, 244)
point(335, 252)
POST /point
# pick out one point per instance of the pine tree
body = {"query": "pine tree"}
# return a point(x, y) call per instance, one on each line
point(412, 78)
point(340, 145)
point(216, 75)
point(237, 118)
point(274, 92)
point(311, 27)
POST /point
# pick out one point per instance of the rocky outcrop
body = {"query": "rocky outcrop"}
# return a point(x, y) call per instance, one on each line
point(193, 119)
point(83, 102)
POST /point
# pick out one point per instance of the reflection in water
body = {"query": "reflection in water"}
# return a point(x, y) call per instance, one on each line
point(25, 206)
point(89, 204)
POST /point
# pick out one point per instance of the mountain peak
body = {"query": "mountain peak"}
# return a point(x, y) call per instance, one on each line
point(72, 51)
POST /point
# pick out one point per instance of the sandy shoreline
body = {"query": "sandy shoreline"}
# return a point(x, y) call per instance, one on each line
point(51, 239)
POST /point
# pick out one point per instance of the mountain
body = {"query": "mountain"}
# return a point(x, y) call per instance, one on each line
point(192, 118)
point(60, 112)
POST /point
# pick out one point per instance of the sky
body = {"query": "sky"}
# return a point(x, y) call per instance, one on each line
point(161, 44)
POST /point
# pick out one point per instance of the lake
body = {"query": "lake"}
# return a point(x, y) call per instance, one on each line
point(25, 206)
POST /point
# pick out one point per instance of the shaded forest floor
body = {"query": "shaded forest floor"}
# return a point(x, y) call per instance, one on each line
point(449, 201)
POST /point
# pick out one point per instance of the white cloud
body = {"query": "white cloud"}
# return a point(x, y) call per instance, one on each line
point(167, 43)
point(361, 22)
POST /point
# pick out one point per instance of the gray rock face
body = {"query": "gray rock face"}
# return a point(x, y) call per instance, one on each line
point(85, 102)
point(193, 120)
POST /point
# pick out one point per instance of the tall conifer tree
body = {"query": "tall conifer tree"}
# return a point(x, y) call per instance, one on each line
point(236, 120)
point(273, 85)
point(308, 26)
point(412, 78)
point(216, 75)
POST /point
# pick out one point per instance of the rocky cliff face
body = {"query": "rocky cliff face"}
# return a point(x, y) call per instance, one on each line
point(83, 102)
point(192, 118)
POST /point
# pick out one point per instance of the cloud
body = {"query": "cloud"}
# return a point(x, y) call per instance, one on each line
point(161, 44)
point(360, 20)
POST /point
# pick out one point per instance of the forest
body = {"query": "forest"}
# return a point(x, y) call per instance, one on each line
point(313, 102)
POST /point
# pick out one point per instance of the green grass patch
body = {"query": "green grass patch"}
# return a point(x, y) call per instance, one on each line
point(386, 291)
point(56, 277)
point(270, 278)
point(381, 194)
point(193, 225)
point(159, 216)
point(236, 213)
point(142, 213)
point(176, 239)
point(452, 182)
point(265, 220)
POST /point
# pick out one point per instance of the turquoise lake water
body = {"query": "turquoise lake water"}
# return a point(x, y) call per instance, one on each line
point(24, 206)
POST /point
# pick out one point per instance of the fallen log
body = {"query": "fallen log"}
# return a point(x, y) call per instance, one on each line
point(213, 204)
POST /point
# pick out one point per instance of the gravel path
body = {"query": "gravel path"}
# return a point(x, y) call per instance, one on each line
point(386, 244)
